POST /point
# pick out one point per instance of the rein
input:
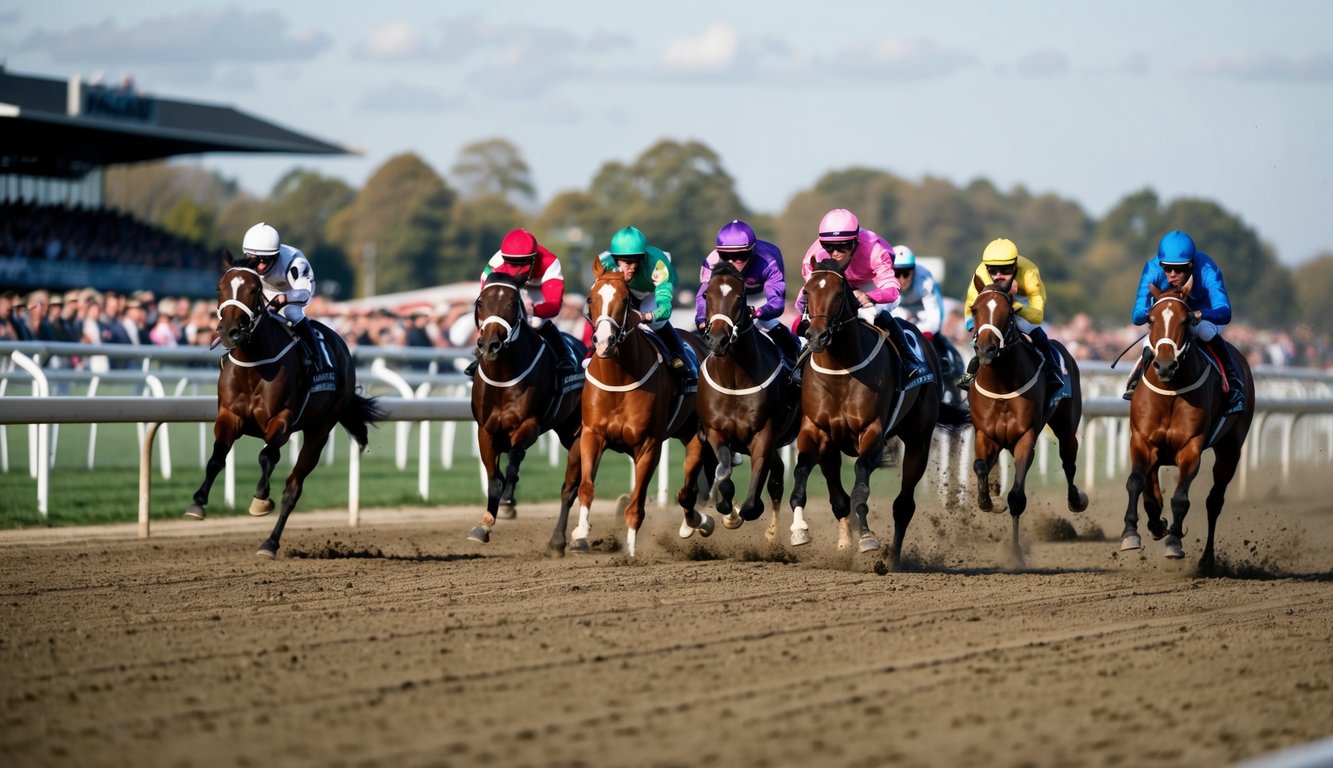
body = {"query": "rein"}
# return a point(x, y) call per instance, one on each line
point(841, 317)
point(587, 374)
point(511, 329)
point(1181, 351)
point(255, 318)
point(1003, 334)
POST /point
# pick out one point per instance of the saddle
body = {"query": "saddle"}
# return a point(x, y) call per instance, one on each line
point(1065, 389)
point(570, 384)
point(666, 355)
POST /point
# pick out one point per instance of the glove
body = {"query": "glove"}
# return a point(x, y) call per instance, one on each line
point(700, 326)
point(969, 324)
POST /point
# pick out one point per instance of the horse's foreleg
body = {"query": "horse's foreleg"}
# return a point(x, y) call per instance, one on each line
point(916, 457)
point(490, 462)
point(226, 430)
point(1067, 437)
point(689, 491)
point(568, 491)
point(269, 457)
point(306, 461)
point(591, 447)
point(830, 465)
point(776, 469)
point(1134, 485)
point(645, 462)
point(806, 457)
point(762, 454)
point(520, 441)
point(724, 490)
point(1018, 497)
point(872, 452)
point(1187, 461)
point(987, 452)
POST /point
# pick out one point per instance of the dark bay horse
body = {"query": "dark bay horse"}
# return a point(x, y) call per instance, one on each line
point(263, 392)
point(851, 402)
point(516, 396)
point(1175, 416)
point(746, 403)
point(1010, 403)
point(631, 404)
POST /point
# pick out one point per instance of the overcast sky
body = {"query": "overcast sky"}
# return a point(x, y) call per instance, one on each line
point(1224, 100)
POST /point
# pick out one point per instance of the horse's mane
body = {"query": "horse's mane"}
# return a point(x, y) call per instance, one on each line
point(613, 274)
point(830, 264)
point(725, 269)
point(501, 277)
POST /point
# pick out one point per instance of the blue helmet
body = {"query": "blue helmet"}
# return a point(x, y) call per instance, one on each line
point(1176, 248)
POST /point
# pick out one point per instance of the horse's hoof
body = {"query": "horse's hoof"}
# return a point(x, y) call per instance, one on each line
point(707, 527)
point(506, 512)
point(580, 547)
point(985, 505)
point(479, 535)
point(195, 512)
point(868, 544)
point(686, 530)
point(799, 537)
point(267, 554)
point(1173, 549)
point(260, 507)
point(1132, 541)
point(1079, 502)
point(732, 522)
point(555, 552)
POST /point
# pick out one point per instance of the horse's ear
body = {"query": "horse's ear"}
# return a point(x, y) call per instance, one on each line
point(976, 281)
point(598, 268)
point(814, 262)
point(1155, 291)
point(1185, 289)
point(228, 261)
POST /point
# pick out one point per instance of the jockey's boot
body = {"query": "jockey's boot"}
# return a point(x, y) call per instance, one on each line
point(679, 360)
point(314, 341)
point(564, 362)
point(1043, 343)
point(1137, 373)
point(1236, 401)
point(471, 369)
point(971, 375)
point(913, 365)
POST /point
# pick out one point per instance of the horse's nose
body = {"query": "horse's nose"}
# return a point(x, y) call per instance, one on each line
point(235, 335)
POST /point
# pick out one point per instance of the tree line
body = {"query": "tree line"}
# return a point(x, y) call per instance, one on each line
point(409, 226)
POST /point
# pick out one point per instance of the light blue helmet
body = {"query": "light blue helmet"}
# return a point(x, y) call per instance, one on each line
point(1176, 248)
point(903, 258)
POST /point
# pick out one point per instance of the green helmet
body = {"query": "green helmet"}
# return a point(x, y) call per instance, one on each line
point(628, 242)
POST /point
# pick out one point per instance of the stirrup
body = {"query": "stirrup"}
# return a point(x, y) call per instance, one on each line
point(966, 380)
point(678, 362)
point(1129, 393)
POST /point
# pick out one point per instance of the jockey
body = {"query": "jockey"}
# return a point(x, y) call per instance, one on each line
point(654, 291)
point(867, 263)
point(920, 300)
point(1002, 265)
point(289, 284)
point(760, 263)
point(1177, 262)
point(538, 271)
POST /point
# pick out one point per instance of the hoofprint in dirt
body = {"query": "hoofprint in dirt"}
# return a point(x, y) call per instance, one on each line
point(398, 644)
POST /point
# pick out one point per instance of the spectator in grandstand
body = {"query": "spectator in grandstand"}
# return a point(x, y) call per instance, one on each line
point(164, 332)
point(39, 327)
point(13, 327)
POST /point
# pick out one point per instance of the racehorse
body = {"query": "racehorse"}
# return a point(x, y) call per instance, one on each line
point(632, 404)
point(746, 403)
point(852, 402)
point(1010, 403)
point(516, 396)
point(263, 392)
point(1174, 417)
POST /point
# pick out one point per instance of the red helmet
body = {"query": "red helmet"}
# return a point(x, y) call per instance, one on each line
point(519, 247)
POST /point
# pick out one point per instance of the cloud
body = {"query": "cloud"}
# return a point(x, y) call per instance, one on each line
point(395, 40)
point(402, 97)
point(1043, 63)
point(1249, 66)
point(909, 59)
point(203, 36)
point(10, 17)
point(713, 51)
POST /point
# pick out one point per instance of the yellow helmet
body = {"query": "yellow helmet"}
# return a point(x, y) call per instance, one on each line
point(1000, 253)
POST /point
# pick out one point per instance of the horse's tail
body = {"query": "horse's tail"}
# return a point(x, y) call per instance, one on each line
point(361, 412)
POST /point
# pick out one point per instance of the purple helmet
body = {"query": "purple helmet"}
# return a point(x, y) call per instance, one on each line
point(735, 237)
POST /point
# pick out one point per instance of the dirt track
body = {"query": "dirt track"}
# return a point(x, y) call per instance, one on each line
point(402, 644)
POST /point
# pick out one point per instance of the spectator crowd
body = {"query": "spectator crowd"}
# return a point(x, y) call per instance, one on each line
point(94, 235)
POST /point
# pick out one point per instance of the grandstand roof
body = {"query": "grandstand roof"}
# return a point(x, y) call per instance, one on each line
point(65, 128)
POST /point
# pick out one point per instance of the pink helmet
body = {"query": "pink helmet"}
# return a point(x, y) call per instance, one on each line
point(839, 224)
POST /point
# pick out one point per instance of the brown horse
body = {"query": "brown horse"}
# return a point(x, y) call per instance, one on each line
point(746, 403)
point(1176, 415)
point(631, 404)
point(516, 396)
point(1010, 403)
point(263, 392)
point(852, 402)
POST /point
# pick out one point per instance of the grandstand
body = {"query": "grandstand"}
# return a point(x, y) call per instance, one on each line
point(60, 135)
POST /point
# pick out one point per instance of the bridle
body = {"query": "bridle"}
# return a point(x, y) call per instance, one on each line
point(1165, 339)
point(511, 328)
point(1007, 335)
point(254, 315)
point(738, 326)
point(619, 328)
point(842, 316)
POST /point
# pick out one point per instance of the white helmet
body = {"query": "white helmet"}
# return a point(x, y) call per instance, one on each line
point(261, 240)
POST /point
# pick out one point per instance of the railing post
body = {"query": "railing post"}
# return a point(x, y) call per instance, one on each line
point(423, 449)
point(40, 460)
point(393, 379)
point(146, 477)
